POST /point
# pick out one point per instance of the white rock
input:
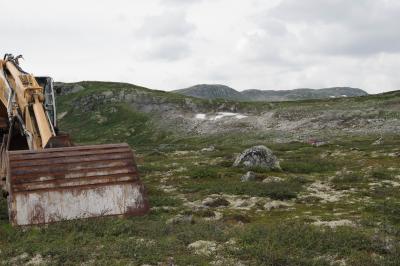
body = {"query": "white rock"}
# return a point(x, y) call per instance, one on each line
point(334, 224)
point(179, 219)
point(276, 204)
point(203, 247)
point(37, 260)
point(272, 179)
point(209, 149)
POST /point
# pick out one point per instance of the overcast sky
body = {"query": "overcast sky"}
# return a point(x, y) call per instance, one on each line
point(245, 44)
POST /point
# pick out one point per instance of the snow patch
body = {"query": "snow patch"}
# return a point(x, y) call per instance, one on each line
point(228, 114)
point(200, 116)
point(220, 115)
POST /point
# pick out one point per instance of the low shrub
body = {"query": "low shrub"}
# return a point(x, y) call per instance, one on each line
point(307, 167)
point(202, 172)
point(381, 173)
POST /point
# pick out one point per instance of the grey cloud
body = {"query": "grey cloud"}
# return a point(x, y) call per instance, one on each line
point(168, 50)
point(167, 36)
point(180, 2)
point(165, 25)
point(325, 11)
point(351, 28)
point(272, 26)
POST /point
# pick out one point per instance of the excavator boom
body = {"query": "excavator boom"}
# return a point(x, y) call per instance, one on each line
point(47, 179)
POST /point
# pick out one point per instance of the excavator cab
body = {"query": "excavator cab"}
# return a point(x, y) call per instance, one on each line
point(48, 179)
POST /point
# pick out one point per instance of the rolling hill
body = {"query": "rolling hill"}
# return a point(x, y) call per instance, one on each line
point(206, 91)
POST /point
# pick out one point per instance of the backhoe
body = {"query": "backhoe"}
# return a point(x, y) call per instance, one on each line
point(45, 177)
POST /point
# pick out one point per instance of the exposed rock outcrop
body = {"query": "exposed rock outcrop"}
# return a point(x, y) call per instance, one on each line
point(257, 156)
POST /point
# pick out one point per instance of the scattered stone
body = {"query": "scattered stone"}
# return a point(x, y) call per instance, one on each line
point(37, 260)
point(171, 261)
point(215, 202)
point(222, 261)
point(236, 202)
point(249, 176)
point(276, 204)
point(391, 183)
point(203, 247)
point(379, 141)
point(334, 224)
point(181, 152)
point(18, 259)
point(270, 179)
point(257, 156)
point(164, 208)
point(232, 244)
point(209, 149)
point(394, 154)
point(181, 219)
point(244, 202)
point(323, 191)
point(167, 189)
point(331, 260)
point(181, 169)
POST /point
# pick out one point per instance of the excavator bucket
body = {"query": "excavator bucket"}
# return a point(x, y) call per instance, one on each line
point(68, 183)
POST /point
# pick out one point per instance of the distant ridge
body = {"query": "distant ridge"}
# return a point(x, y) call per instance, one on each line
point(216, 91)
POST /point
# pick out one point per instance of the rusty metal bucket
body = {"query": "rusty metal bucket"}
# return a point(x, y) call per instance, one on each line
point(58, 184)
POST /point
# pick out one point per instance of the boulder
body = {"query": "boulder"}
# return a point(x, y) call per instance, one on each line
point(249, 176)
point(257, 156)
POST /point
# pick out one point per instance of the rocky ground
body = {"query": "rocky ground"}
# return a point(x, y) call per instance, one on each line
point(328, 197)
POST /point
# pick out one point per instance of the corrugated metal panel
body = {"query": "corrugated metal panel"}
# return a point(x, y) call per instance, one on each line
point(75, 182)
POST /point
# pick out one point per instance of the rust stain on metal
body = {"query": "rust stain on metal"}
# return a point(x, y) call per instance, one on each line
point(57, 184)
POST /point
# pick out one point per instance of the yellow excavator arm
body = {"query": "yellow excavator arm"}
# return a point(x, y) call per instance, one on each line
point(24, 99)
